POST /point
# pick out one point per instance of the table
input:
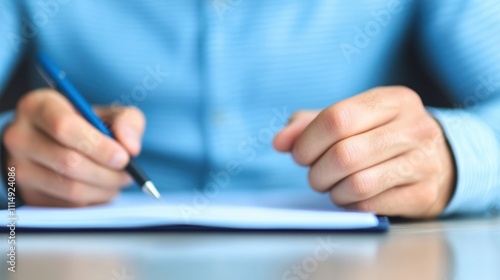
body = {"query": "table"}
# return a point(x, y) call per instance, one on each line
point(451, 249)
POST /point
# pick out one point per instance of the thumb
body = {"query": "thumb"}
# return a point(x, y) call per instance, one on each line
point(285, 139)
point(126, 123)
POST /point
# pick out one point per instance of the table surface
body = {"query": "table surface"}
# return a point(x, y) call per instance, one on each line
point(466, 248)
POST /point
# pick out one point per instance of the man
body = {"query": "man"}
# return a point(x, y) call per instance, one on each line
point(216, 80)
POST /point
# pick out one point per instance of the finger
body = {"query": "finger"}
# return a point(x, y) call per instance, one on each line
point(33, 177)
point(34, 197)
point(58, 119)
point(127, 124)
point(357, 153)
point(412, 201)
point(352, 116)
point(73, 164)
point(283, 141)
point(370, 182)
point(40, 199)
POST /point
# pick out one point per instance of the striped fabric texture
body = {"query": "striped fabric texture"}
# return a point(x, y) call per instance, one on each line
point(217, 79)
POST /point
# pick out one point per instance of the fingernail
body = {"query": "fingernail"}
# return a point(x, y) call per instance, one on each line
point(120, 159)
point(131, 138)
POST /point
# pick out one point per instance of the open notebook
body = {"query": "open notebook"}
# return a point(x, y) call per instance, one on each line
point(136, 211)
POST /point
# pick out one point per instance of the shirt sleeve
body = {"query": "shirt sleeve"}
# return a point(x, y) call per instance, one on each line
point(459, 43)
point(14, 39)
point(476, 150)
point(14, 42)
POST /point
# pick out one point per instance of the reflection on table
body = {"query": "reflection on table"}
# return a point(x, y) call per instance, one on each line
point(451, 249)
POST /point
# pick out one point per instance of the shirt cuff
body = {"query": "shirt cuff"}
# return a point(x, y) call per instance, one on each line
point(476, 149)
point(5, 119)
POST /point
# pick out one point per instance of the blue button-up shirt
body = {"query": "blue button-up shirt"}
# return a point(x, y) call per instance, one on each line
point(217, 79)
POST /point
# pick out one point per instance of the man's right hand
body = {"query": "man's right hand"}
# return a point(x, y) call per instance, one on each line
point(62, 160)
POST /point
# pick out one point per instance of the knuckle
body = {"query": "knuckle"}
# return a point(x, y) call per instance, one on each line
point(69, 160)
point(301, 155)
point(408, 95)
point(107, 151)
point(314, 180)
point(361, 184)
point(344, 156)
point(392, 175)
point(59, 127)
point(27, 103)
point(31, 101)
point(337, 118)
point(124, 181)
point(21, 173)
point(425, 125)
point(429, 128)
point(12, 138)
point(426, 161)
point(365, 206)
point(428, 135)
point(382, 140)
point(385, 179)
point(58, 124)
point(335, 199)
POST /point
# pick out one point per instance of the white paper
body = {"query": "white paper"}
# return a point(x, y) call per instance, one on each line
point(242, 212)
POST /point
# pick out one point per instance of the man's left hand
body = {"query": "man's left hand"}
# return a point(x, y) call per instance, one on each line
point(379, 151)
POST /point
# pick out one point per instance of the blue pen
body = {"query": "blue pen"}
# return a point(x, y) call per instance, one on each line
point(56, 78)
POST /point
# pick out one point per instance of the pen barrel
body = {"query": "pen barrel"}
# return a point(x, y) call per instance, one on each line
point(137, 174)
point(58, 79)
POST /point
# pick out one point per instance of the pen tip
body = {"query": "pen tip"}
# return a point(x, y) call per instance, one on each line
point(150, 189)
